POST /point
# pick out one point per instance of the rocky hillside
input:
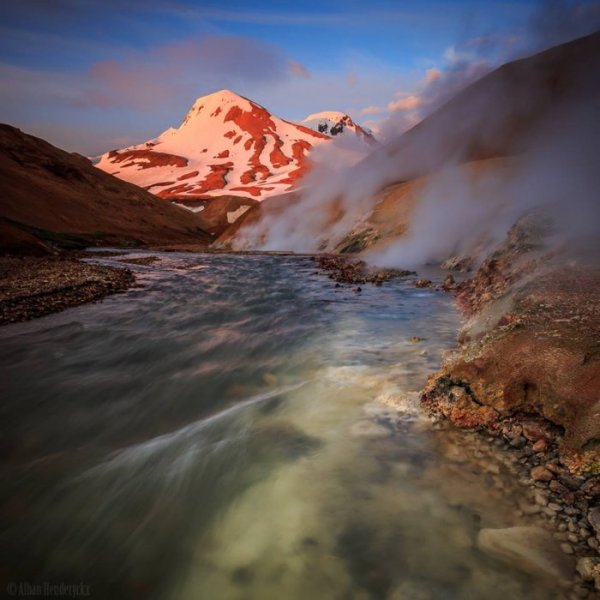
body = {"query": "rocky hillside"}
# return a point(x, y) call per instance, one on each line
point(51, 198)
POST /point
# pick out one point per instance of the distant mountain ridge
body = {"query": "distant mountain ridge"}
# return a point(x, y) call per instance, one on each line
point(227, 144)
point(334, 123)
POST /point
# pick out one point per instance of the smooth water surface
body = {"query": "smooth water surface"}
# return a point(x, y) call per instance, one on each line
point(238, 427)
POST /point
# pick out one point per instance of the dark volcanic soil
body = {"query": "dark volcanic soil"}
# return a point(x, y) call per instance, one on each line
point(34, 287)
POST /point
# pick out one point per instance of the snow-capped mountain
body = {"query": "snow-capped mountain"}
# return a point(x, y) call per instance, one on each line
point(226, 144)
point(335, 123)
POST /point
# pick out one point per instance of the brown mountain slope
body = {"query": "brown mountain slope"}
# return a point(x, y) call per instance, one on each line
point(51, 196)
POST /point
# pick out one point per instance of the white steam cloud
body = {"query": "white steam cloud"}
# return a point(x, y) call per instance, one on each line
point(543, 113)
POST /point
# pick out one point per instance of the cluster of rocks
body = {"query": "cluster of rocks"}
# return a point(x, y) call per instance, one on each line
point(33, 287)
point(568, 503)
point(351, 271)
point(343, 270)
point(462, 264)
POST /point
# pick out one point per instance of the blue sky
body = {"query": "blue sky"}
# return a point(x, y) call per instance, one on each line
point(90, 75)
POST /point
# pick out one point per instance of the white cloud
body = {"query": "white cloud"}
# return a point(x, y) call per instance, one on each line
point(405, 103)
point(371, 110)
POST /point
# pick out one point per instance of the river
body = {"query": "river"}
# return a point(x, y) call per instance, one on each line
point(236, 427)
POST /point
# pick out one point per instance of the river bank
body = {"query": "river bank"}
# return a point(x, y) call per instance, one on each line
point(32, 287)
point(526, 373)
point(557, 511)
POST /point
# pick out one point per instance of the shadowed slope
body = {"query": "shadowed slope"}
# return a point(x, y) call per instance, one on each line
point(49, 195)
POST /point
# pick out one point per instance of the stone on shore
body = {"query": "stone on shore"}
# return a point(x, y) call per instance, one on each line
point(589, 567)
point(541, 474)
point(594, 518)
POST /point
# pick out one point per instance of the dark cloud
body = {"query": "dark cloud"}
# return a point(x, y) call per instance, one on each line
point(188, 68)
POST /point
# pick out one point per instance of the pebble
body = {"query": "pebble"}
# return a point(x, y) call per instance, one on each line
point(557, 487)
point(529, 509)
point(566, 548)
point(573, 538)
point(553, 468)
point(594, 518)
point(571, 482)
point(540, 499)
point(518, 442)
point(586, 567)
point(591, 487)
point(541, 474)
point(492, 468)
point(555, 507)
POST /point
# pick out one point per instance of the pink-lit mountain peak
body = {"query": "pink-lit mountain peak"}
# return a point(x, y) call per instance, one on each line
point(226, 144)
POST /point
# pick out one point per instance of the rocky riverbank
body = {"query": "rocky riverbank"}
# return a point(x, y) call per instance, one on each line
point(343, 269)
point(561, 505)
point(526, 376)
point(32, 287)
point(526, 373)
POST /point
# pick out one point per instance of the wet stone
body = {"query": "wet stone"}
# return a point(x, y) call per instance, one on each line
point(594, 518)
point(541, 474)
point(557, 487)
point(587, 567)
point(591, 487)
point(593, 543)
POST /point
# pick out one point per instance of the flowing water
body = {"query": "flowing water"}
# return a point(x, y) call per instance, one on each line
point(237, 427)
